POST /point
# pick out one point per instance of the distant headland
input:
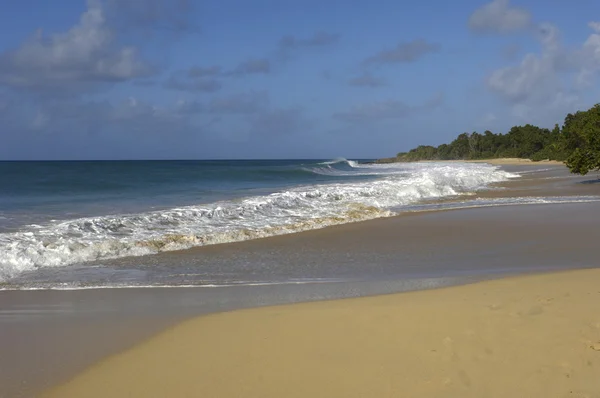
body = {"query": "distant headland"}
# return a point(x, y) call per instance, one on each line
point(577, 144)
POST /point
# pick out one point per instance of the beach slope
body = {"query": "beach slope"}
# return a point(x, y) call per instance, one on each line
point(527, 336)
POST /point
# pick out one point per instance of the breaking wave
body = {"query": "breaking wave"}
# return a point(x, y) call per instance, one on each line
point(301, 208)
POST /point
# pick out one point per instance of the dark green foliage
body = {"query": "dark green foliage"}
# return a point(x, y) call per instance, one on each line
point(581, 135)
point(577, 143)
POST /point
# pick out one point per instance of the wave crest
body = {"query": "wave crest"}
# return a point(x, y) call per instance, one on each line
point(288, 211)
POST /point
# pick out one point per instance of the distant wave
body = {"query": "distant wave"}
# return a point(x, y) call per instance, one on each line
point(350, 163)
point(290, 210)
point(342, 167)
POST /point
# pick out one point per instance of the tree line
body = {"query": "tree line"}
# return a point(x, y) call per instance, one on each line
point(576, 143)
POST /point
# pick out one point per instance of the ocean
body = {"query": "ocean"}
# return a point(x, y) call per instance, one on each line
point(75, 224)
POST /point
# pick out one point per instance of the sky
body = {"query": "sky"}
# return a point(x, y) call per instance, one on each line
point(225, 79)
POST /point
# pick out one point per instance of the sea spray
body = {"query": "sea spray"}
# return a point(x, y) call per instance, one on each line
point(364, 191)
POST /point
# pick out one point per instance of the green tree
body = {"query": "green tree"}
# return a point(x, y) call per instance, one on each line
point(578, 142)
point(460, 147)
point(443, 152)
point(581, 134)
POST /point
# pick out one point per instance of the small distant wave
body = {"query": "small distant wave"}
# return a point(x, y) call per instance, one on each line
point(77, 286)
point(350, 163)
point(291, 210)
point(342, 167)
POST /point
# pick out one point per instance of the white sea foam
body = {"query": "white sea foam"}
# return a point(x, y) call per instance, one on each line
point(495, 202)
point(534, 171)
point(301, 208)
point(351, 163)
point(76, 286)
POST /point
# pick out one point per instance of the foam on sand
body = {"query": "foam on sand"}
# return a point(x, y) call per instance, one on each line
point(377, 191)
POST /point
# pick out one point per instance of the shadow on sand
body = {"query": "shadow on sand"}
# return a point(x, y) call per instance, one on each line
point(596, 181)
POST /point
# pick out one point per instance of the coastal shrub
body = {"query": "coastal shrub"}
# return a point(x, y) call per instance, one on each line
point(582, 135)
point(577, 144)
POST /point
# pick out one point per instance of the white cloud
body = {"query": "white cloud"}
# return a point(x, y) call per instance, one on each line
point(534, 76)
point(130, 117)
point(488, 118)
point(549, 36)
point(554, 75)
point(499, 17)
point(511, 51)
point(165, 15)
point(387, 109)
point(209, 79)
point(404, 52)
point(595, 26)
point(86, 53)
point(591, 50)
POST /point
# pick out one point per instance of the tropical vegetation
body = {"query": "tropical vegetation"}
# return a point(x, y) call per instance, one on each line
point(576, 143)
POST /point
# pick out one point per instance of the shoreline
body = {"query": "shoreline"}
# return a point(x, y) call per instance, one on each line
point(517, 162)
point(535, 335)
point(64, 323)
point(522, 241)
point(335, 198)
point(553, 183)
point(493, 161)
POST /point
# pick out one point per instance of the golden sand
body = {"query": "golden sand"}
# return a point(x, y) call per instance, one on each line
point(495, 161)
point(516, 162)
point(528, 336)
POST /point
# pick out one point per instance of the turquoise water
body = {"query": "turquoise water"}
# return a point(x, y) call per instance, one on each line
point(42, 191)
point(62, 216)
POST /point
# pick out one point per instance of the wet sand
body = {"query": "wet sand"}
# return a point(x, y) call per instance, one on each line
point(495, 161)
point(544, 179)
point(415, 251)
point(517, 162)
point(534, 336)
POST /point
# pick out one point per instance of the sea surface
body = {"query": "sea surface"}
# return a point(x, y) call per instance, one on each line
point(64, 223)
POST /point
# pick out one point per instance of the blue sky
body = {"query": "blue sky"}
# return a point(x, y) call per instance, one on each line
point(128, 79)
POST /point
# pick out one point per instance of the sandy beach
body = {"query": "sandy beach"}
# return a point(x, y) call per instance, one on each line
point(533, 336)
point(194, 202)
point(516, 162)
point(494, 161)
point(73, 339)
